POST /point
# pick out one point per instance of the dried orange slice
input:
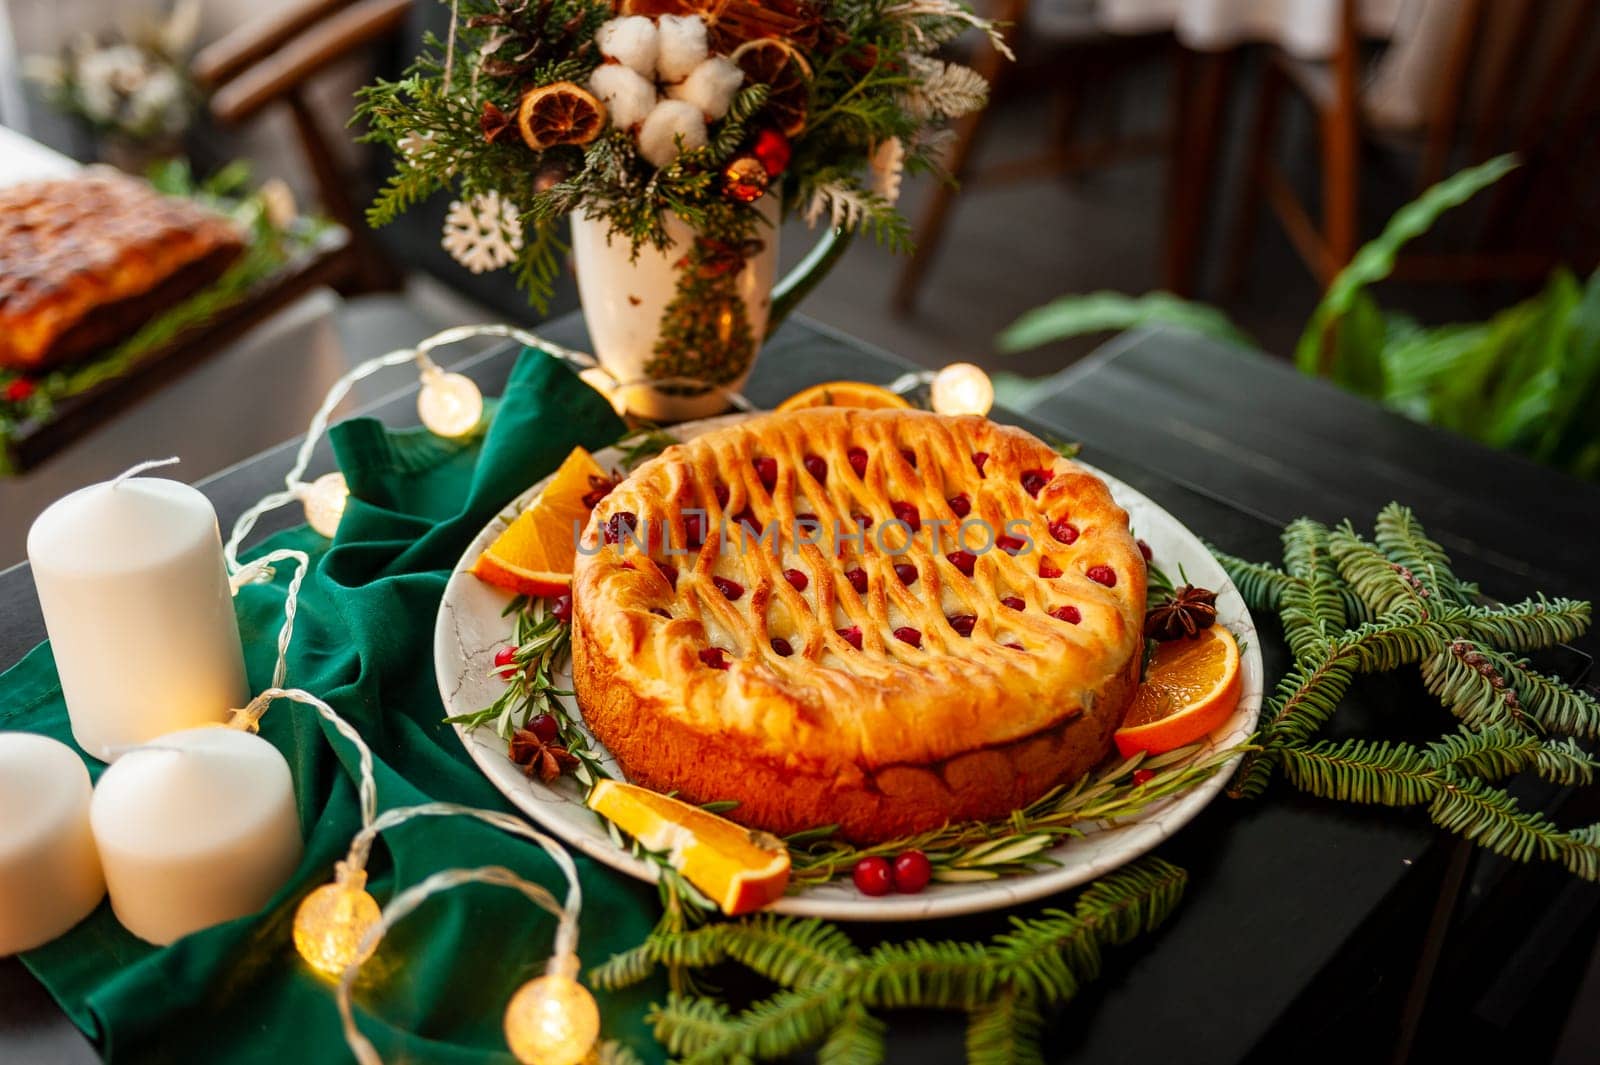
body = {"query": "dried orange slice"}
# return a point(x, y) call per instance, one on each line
point(738, 868)
point(534, 555)
point(562, 113)
point(1190, 689)
point(846, 394)
point(779, 66)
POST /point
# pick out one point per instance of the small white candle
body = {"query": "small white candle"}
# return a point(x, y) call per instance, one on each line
point(136, 600)
point(49, 871)
point(195, 829)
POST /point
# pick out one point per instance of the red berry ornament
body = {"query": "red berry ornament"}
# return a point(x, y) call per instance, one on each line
point(912, 872)
point(873, 876)
point(772, 148)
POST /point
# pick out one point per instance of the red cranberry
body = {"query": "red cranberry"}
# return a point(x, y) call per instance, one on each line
point(858, 580)
point(1070, 614)
point(912, 872)
point(545, 727)
point(906, 634)
point(505, 662)
point(817, 467)
point(1013, 647)
point(873, 876)
point(858, 460)
point(906, 572)
point(19, 390)
point(561, 609)
point(1048, 570)
point(767, 472)
point(1143, 776)
point(1103, 575)
point(796, 578)
point(1011, 545)
point(963, 623)
point(808, 520)
point(960, 505)
point(1064, 530)
point(715, 657)
point(907, 513)
point(731, 590)
point(661, 613)
point(851, 636)
point(694, 531)
point(781, 646)
point(1033, 480)
point(863, 521)
point(1015, 602)
point(747, 520)
point(619, 525)
point(669, 572)
point(910, 457)
point(721, 492)
point(962, 560)
point(979, 459)
point(1144, 550)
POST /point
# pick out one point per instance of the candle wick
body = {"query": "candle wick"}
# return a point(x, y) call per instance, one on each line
point(150, 464)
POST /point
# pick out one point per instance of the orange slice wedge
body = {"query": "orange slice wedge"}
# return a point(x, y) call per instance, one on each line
point(1191, 688)
point(738, 868)
point(846, 394)
point(534, 555)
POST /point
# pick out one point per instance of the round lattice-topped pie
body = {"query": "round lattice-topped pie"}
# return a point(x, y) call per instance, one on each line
point(884, 620)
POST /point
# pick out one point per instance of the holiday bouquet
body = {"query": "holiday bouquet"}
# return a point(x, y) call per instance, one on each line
point(674, 134)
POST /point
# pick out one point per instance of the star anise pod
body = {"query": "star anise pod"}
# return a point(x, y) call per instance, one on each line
point(542, 758)
point(1188, 611)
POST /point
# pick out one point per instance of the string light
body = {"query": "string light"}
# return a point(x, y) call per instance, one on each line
point(552, 1019)
point(331, 923)
point(961, 388)
point(449, 404)
point(325, 500)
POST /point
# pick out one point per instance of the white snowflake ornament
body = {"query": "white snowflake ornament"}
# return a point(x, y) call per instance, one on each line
point(482, 234)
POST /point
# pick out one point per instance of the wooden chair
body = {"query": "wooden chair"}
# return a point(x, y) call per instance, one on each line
point(269, 62)
point(1070, 59)
point(1513, 77)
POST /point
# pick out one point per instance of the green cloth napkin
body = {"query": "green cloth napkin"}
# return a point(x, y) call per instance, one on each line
point(363, 639)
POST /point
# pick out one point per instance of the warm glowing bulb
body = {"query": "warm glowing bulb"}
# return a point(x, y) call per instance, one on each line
point(606, 385)
point(449, 404)
point(332, 922)
point(962, 388)
point(552, 1020)
point(324, 500)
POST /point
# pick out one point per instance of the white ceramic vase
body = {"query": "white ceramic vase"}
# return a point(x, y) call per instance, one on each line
point(688, 312)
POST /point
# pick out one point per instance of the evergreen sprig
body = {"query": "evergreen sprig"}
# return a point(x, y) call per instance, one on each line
point(1404, 606)
point(829, 990)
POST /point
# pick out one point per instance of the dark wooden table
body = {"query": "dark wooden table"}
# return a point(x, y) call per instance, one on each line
point(1309, 931)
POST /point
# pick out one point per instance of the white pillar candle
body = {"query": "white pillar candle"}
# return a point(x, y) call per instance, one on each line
point(49, 872)
point(195, 829)
point(136, 600)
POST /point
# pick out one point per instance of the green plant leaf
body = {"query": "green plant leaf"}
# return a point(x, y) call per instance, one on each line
point(1359, 346)
point(1100, 312)
point(1375, 260)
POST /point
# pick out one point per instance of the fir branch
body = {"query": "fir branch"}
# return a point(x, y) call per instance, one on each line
point(1261, 586)
point(1528, 625)
point(1466, 681)
point(1401, 537)
point(1556, 706)
point(1005, 1032)
point(1388, 589)
point(858, 1038)
point(1311, 608)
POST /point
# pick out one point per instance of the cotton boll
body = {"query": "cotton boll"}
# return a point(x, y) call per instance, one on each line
point(683, 46)
point(631, 41)
point(658, 137)
point(710, 86)
point(627, 96)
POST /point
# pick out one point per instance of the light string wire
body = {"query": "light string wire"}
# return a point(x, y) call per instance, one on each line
point(407, 901)
point(295, 486)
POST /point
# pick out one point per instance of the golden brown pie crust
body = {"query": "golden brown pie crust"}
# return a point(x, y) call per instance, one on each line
point(967, 721)
point(85, 261)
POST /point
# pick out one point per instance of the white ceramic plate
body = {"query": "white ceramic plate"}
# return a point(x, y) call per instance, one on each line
point(470, 628)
